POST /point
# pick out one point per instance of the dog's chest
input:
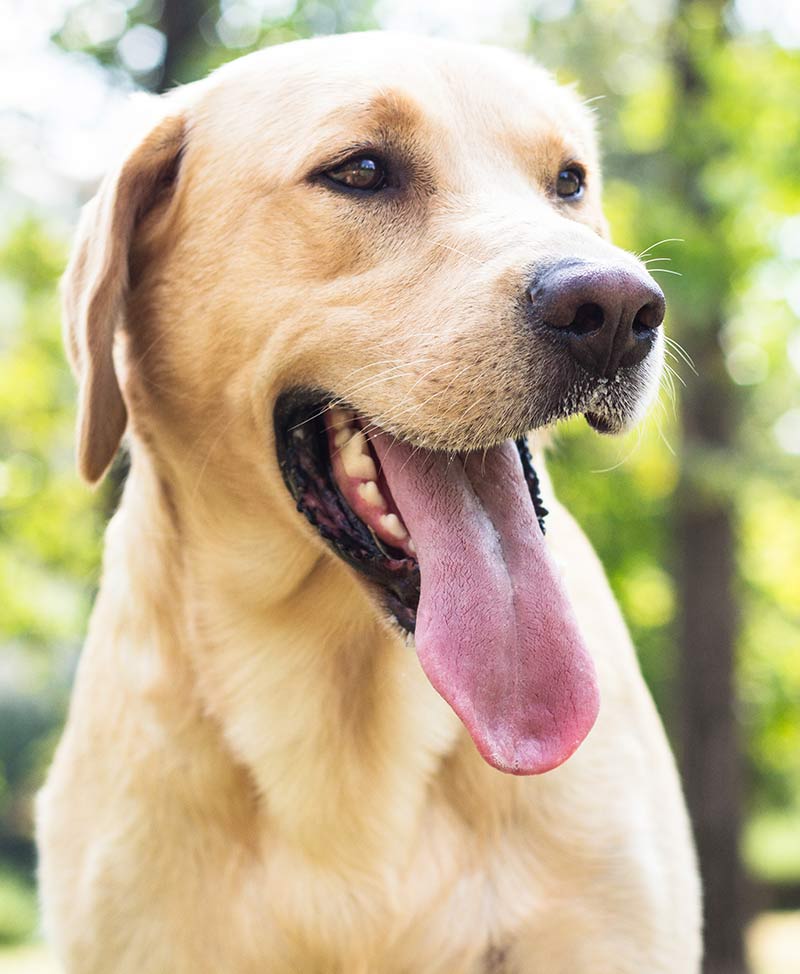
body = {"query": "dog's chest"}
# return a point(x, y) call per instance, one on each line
point(451, 909)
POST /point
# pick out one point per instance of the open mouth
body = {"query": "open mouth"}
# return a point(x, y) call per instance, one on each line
point(454, 545)
point(328, 462)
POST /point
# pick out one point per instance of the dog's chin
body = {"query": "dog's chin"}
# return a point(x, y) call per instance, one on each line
point(617, 411)
point(615, 406)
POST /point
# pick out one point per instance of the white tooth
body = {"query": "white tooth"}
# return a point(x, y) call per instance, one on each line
point(392, 524)
point(340, 418)
point(411, 546)
point(357, 463)
point(342, 436)
point(369, 492)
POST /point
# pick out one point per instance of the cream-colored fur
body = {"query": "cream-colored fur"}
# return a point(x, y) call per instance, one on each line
point(255, 775)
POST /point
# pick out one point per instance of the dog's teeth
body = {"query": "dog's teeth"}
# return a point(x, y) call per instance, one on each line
point(342, 436)
point(370, 493)
point(392, 525)
point(341, 418)
point(341, 421)
point(411, 546)
point(356, 461)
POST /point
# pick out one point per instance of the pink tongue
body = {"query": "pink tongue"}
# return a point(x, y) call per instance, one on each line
point(495, 632)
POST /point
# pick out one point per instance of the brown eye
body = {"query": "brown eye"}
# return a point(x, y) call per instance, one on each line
point(360, 172)
point(569, 184)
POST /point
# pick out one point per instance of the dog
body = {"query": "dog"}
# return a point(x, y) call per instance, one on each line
point(352, 700)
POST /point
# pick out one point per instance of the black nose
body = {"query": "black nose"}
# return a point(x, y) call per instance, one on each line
point(607, 313)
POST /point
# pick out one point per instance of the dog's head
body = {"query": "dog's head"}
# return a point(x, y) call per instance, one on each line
point(373, 263)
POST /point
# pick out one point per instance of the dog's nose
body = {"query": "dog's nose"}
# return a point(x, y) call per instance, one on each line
point(607, 313)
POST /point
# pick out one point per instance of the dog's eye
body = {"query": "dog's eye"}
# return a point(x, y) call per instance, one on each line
point(360, 172)
point(569, 184)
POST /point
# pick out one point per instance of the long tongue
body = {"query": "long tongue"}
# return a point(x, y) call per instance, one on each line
point(495, 632)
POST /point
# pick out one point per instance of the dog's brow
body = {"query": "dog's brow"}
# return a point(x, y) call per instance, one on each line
point(387, 117)
point(392, 111)
point(545, 152)
point(389, 121)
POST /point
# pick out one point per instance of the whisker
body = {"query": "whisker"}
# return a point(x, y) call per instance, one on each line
point(627, 456)
point(687, 358)
point(668, 368)
point(339, 401)
point(652, 247)
point(667, 385)
point(373, 427)
point(438, 243)
point(215, 442)
point(664, 439)
point(673, 366)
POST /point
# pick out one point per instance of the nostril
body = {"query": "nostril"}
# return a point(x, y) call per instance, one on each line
point(588, 318)
point(648, 318)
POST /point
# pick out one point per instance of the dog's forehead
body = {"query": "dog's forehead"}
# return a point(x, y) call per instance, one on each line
point(305, 98)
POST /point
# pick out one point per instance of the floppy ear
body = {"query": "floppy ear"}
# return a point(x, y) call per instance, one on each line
point(95, 287)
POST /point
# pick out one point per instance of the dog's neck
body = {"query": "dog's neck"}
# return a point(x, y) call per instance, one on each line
point(321, 701)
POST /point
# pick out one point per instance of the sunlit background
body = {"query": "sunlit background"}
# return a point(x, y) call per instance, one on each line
point(696, 515)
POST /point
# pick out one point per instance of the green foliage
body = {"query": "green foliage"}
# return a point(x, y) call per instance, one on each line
point(42, 565)
point(49, 542)
point(18, 916)
point(771, 846)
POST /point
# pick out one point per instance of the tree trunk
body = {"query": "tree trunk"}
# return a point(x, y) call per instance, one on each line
point(706, 538)
point(180, 24)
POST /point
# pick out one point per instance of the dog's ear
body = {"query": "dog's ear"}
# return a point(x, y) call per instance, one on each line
point(95, 286)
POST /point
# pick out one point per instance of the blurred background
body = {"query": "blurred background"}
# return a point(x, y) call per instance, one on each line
point(696, 515)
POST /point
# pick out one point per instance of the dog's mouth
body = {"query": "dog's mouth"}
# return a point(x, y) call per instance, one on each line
point(454, 545)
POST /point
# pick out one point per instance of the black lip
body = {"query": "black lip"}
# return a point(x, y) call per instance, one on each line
point(302, 448)
point(601, 424)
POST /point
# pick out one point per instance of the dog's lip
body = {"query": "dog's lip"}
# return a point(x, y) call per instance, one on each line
point(601, 424)
point(302, 447)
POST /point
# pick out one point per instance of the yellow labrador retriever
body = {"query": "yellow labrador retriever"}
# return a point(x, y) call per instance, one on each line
point(344, 708)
